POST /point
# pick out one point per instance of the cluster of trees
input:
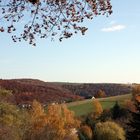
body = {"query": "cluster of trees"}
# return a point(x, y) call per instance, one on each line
point(26, 90)
point(118, 123)
point(98, 90)
point(103, 125)
point(36, 124)
point(57, 122)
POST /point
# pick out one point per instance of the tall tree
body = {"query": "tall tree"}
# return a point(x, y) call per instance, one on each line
point(97, 108)
point(134, 123)
point(10, 122)
point(116, 111)
point(45, 18)
point(58, 123)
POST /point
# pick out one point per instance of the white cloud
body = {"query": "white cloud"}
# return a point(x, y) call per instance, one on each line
point(113, 28)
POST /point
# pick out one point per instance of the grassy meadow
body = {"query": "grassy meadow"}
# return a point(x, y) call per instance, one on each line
point(84, 107)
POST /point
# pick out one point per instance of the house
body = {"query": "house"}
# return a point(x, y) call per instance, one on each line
point(93, 97)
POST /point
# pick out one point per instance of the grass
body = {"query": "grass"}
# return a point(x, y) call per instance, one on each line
point(84, 107)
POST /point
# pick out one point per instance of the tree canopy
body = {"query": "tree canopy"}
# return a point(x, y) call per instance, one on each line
point(109, 131)
point(46, 18)
point(134, 124)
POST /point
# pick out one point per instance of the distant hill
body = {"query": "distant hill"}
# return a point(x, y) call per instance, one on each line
point(90, 89)
point(26, 90)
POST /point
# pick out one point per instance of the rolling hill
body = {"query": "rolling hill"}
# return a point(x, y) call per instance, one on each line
point(26, 90)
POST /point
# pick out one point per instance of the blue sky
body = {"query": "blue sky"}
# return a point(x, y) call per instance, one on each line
point(109, 52)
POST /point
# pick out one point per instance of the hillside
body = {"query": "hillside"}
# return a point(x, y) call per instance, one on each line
point(86, 106)
point(90, 89)
point(26, 90)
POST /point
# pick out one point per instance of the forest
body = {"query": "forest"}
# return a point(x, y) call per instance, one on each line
point(26, 90)
point(57, 122)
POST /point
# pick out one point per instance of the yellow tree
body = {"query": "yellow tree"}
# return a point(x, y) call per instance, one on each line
point(97, 108)
point(5, 95)
point(109, 131)
point(61, 122)
point(10, 122)
point(37, 121)
point(100, 94)
point(56, 123)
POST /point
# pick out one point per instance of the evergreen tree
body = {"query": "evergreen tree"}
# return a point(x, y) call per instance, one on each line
point(134, 124)
point(116, 111)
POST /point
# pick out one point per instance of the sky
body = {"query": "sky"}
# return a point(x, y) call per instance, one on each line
point(108, 53)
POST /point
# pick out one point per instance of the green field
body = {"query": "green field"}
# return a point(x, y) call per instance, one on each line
point(84, 107)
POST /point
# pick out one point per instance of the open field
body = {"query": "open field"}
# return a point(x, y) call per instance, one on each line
point(84, 107)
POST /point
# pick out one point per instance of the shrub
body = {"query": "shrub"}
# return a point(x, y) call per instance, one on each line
point(109, 131)
point(86, 132)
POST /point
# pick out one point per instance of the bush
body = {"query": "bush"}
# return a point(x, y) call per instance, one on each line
point(109, 131)
point(86, 132)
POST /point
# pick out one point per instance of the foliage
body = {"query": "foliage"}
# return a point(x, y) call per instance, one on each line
point(86, 132)
point(106, 115)
point(116, 111)
point(100, 94)
point(97, 108)
point(5, 94)
point(90, 89)
point(36, 124)
point(37, 120)
point(10, 122)
point(119, 112)
point(129, 104)
point(26, 90)
point(45, 18)
point(109, 131)
point(58, 123)
point(136, 91)
point(134, 124)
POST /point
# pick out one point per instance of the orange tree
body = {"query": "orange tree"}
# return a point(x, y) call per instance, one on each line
point(97, 108)
point(58, 123)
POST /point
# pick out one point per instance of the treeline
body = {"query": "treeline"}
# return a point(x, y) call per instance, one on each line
point(57, 122)
point(27, 90)
point(89, 90)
